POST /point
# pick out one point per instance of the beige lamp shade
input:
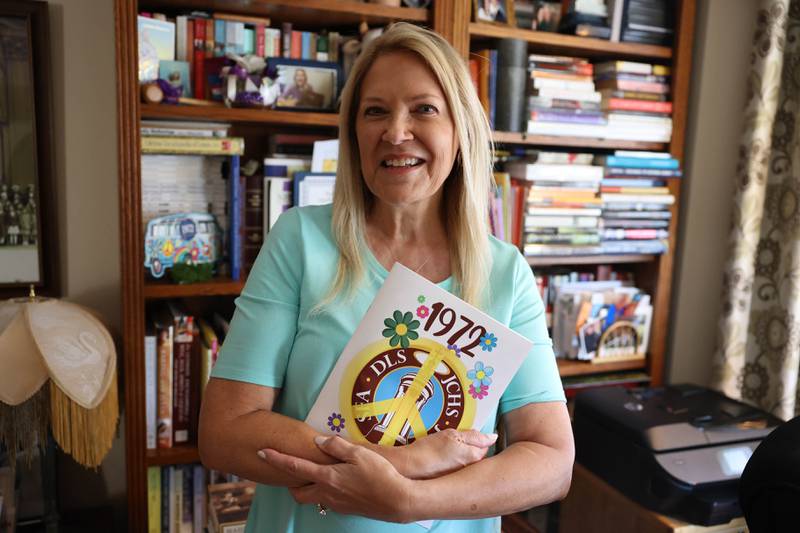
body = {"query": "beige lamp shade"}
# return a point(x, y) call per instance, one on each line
point(22, 370)
point(47, 339)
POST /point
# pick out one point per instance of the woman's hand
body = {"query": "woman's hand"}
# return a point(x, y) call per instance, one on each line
point(363, 483)
point(443, 452)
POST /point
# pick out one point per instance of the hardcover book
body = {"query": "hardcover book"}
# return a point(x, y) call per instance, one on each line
point(420, 361)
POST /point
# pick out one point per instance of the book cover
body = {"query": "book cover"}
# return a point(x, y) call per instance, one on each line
point(420, 361)
point(156, 43)
point(229, 505)
point(176, 73)
point(193, 145)
point(150, 385)
point(313, 188)
point(164, 344)
point(235, 215)
point(154, 499)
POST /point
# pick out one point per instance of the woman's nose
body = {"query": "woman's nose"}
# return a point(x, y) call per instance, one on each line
point(398, 129)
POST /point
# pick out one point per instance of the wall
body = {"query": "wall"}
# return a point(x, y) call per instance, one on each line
point(724, 31)
point(85, 151)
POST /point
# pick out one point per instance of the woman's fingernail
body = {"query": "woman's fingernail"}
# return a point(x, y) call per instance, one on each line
point(319, 440)
point(493, 437)
point(261, 454)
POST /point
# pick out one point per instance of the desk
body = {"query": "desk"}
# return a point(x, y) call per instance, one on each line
point(593, 506)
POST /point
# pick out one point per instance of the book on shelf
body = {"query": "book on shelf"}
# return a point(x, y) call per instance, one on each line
point(164, 328)
point(156, 43)
point(192, 145)
point(154, 499)
point(176, 128)
point(313, 188)
point(150, 385)
point(228, 506)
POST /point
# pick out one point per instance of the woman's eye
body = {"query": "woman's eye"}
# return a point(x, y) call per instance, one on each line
point(373, 111)
point(427, 109)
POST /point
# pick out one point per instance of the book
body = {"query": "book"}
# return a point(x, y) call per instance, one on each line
point(150, 385)
point(236, 214)
point(193, 145)
point(228, 506)
point(167, 128)
point(176, 73)
point(154, 499)
point(164, 328)
point(156, 43)
point(183, 334)
point(419, 362)
point(313, 188)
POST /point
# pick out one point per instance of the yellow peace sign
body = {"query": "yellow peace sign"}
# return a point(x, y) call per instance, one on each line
point(403, 408)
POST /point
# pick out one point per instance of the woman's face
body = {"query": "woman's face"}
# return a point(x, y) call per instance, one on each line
point(405, 132)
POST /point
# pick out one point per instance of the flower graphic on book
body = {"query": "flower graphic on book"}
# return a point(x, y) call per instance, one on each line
point(454, 348)
point(479, 393)
point(336, 422)
point(422, 311)
point(488, 342)
point(400, 329)
point(480, 375)
point(421, 299)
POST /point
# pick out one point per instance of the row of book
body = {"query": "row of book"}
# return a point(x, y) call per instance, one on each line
point(191, 49)
point(180, 350)
point(188, 167)
point(549, 280)
point(582, 204)
point(622, 100)
point(190, 499)
point(638, 21)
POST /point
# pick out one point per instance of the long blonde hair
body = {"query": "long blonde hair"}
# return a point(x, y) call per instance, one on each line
point(466, 190)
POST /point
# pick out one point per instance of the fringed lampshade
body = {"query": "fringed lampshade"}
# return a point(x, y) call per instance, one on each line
point(58, 370)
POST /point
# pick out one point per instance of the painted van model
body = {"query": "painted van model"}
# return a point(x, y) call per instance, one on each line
point(191, 238)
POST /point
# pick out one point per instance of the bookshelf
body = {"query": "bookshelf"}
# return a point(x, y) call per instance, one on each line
point(451, 18)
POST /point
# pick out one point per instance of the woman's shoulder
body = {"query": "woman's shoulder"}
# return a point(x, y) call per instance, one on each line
point(304, 221)
point(506, 258)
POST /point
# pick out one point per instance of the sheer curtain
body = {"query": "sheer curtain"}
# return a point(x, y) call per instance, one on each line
point(758, 350)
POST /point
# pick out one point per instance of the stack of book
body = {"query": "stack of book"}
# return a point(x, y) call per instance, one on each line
point(563, 100)
point(176, 498)
point(563, 209)
point(635, 98)
point(636, 201)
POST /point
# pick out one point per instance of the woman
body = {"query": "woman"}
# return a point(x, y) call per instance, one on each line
point(412, 186)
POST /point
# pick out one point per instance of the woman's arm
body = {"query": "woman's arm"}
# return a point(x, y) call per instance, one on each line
point(535, 469)
point(236, 422)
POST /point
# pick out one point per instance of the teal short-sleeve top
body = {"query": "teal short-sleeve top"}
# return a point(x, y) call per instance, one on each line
point(273, 342)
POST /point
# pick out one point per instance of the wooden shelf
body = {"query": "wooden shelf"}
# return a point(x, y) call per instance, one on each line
point(301, 13)
point(179, 455)
point(581, 368)
point(238, 114)
point(549, 42)
point(217, 287)
point(509, 137)
point(555, 260)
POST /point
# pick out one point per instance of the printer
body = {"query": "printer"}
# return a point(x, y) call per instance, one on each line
point(677, 450)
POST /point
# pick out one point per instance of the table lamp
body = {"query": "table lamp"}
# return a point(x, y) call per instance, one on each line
point(57, 371)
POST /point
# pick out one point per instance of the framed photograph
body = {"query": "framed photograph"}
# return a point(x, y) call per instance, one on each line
point(497, 11)
point(306, 85)
point(28, 245)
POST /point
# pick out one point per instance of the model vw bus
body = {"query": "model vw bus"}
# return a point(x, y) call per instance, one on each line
point(191, 238)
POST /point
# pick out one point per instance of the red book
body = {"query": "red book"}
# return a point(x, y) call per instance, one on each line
point(198, 74)
point(261, 41)
point(296, 51)
point(182, 374)
point(626, 104)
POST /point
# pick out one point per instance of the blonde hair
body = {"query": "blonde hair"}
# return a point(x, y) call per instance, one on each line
point(466, 190)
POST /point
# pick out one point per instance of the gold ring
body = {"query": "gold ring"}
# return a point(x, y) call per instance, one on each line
point(321, 509)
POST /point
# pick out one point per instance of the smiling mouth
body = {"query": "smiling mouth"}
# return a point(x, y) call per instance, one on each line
point(407, 162)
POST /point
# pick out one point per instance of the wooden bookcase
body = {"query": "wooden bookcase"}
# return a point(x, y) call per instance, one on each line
point(451, 18)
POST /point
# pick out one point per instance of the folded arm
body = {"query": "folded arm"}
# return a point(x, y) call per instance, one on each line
point(237, 421)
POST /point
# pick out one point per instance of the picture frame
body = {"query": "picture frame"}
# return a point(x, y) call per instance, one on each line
point(29, 248)
point(306, 85)
point(494, 11)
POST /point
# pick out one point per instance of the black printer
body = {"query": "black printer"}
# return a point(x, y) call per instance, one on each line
point(678, 450)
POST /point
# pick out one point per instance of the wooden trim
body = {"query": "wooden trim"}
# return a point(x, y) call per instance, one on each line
point(177, 455)
point(571, 44)
point(568, 367)
point(216, 287)
point(131, 260)
point(554, 260)
point(322, 11)
point(510, 137)
point(238, 114)
point(451, 20)
point(663, 296)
